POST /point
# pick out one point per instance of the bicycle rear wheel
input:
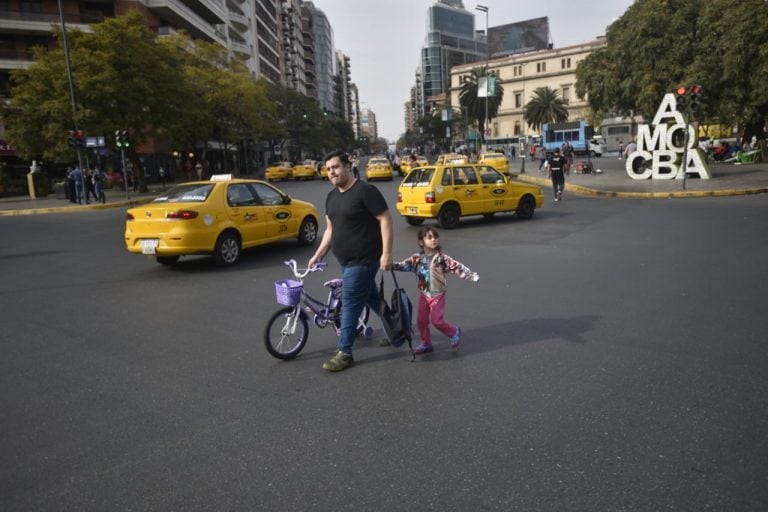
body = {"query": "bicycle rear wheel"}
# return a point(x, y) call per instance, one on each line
point(285, 334)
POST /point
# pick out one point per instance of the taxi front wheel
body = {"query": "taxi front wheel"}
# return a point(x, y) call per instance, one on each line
point(227, 250)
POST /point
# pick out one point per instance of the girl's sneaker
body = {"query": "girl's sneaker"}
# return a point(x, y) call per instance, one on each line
point(456, 338)
point(422, 348)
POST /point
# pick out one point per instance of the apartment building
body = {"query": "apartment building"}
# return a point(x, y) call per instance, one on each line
point(521, 74)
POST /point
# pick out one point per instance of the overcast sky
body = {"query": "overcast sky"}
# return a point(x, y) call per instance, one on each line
point(383, 39)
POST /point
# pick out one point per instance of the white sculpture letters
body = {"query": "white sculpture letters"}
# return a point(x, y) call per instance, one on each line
point(663, 147)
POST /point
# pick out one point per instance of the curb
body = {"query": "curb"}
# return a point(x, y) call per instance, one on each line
point(586, 191)
point(76, 208)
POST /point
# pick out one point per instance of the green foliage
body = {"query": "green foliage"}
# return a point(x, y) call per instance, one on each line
point(658, 45)
point(546, 106)
point(476, 107)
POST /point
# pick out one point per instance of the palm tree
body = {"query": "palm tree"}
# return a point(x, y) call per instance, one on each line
point(546, 106)
point(476, 106)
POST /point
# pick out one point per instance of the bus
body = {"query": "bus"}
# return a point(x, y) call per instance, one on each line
point(619, 131)
point(577, 133)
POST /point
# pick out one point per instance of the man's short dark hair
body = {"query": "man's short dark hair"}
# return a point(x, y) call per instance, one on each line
point(343, 156)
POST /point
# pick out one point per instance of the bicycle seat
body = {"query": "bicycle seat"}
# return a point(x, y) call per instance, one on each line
point(334, 283)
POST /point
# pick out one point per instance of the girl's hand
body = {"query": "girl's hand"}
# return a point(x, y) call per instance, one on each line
point(475, 277)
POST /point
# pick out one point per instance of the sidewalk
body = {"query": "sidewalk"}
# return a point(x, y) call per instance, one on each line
point(727, 180)
point(116, 198)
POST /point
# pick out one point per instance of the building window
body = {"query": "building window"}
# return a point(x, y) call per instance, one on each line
point(495, 129)
point(517, 128)
point(565, 63)
point(566, 95)
point(518, 100)
point(541, 67)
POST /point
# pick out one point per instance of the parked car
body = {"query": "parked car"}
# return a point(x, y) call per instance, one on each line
point(219, 217)
point(449, 192)
point(498, 161)
point(279, 171)
point(378, 168)
point(307, 170)
point(406, 166)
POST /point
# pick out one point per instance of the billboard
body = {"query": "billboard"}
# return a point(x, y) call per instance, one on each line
point(523, 36)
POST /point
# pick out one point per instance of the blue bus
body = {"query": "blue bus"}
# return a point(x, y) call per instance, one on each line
point(577, 133)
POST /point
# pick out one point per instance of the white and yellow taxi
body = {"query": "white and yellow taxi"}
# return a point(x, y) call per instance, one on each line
point(449, 192)
point(451, 158)
point(279, 171)
point(221, 217)
point(378, 168)
point(498, 161)
point(306, 170)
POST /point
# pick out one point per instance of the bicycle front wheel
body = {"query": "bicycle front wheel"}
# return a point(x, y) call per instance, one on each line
point(286, 333)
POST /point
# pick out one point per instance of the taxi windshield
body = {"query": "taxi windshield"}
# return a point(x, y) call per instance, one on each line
point(186, 194)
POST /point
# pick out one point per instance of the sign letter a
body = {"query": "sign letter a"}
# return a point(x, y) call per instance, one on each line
point(668, 111)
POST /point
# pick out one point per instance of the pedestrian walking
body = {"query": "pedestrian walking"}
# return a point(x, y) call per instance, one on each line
point(90, 189)
point(76, 189)
point(541, 153)
point(98, 179)
point(359, 231)
point(355, 168)
point(556, 166)
point(431, 267)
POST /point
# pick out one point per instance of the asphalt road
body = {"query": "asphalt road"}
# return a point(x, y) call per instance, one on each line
point(613, 358)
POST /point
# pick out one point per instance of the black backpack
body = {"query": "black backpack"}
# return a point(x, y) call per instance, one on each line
point(397, 315)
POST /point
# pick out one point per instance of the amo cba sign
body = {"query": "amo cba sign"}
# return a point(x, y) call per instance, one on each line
point(662, 144)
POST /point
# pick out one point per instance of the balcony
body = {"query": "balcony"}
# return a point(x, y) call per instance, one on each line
point(240, 48)
point(40, 22)
point(239, 20)
point(210, 11)
point(176, 13)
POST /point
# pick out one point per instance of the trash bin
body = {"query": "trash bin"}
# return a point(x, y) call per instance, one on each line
point(60, 189)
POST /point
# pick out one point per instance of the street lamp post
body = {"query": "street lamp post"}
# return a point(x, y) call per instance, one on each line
point(484, 9)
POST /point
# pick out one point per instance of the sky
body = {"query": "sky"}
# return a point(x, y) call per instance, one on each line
point(383, 39)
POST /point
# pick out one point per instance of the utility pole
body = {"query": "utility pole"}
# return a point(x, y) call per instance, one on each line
point(484, 9)
point(71, 86)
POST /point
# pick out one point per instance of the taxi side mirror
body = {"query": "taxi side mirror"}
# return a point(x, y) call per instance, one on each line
point(286, 199)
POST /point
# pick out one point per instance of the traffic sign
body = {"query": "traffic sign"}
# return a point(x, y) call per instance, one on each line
point(487, 131)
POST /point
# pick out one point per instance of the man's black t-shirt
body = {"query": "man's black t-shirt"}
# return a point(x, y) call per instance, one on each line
point(556, 164)
point(356, 235)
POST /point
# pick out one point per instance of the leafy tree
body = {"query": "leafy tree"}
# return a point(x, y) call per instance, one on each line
point(546, 106)
point(658, 45)
point(476, 107)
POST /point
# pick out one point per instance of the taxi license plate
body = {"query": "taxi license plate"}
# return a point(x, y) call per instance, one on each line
point(149, 246)
point(413, 210)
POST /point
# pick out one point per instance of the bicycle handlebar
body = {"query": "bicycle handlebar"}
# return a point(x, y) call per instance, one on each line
point(302, 273)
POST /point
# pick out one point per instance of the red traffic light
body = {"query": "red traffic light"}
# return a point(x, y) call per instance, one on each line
point(696, 89)
point(680, 91)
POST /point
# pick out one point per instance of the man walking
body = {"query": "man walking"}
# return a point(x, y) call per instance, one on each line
point(556, 166)
point(359, 231)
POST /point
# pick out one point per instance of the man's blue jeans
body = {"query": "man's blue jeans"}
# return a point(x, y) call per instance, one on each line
point(359, 289)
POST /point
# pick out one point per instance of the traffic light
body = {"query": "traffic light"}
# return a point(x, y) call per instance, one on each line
point(695, 93)
point(80, 139)
point(680, 96)
point(121, 139)
point(76, 139)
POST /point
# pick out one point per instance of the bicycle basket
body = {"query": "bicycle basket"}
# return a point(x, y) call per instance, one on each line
point(288, 292)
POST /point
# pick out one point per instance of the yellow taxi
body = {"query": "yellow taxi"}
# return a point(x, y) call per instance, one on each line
point(279, 171)
point(221, 217)
point(450, 192)
point(498, 161)
point(405, 164)
point(323, 172)
point(378, 168)
point(451, 158)
point(305, 170)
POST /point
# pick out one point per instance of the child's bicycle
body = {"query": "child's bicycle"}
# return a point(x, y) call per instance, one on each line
point(287, 330)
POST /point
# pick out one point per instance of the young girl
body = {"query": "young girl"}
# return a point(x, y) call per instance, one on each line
point(431, 266)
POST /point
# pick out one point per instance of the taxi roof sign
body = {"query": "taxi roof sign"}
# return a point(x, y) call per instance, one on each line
point(221, 177)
